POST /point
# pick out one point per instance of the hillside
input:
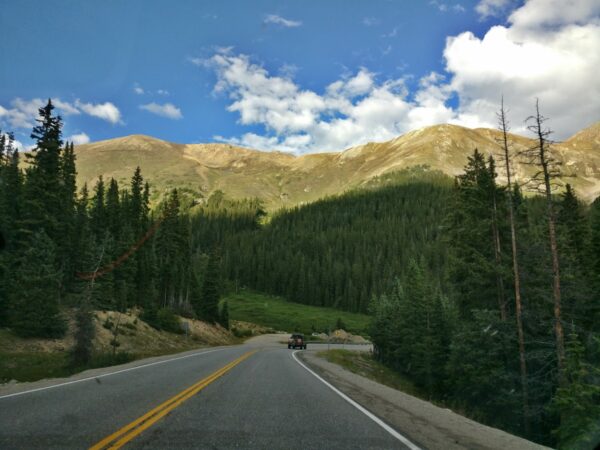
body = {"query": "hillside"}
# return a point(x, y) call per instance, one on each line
point(282, 179)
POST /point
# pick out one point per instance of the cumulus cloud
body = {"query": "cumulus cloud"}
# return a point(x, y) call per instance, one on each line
point(105, 111)
point(549, 50)
point(492, 8)
point(352, 110)
point(278, 20)
point(78, 139)
point(167, 110)
point(22, 113)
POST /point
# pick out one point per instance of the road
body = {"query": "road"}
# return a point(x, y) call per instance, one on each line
point(255, 395)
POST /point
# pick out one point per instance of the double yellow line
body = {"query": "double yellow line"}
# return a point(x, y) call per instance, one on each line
point(128, 432)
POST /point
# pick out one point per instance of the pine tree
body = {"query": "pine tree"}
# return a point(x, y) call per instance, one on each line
point(224, 315)
point(43, 186)
point(136, 208)
point(67, 243)
point(114, 220)
point(98, 211)
point(578, 401)
point(81, 354)
point(211, 288)
point(473, 238)
point(36, 309)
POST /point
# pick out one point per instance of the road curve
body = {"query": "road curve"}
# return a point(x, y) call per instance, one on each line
point(255, 395)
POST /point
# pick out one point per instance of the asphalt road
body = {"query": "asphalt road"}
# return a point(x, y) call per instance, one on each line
point(255, 395)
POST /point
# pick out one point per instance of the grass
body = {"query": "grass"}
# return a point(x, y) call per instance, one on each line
point(279, 314)
point(363, 363)
point(31, 366)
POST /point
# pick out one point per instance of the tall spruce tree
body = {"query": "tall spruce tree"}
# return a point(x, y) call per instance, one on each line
point(44, 191)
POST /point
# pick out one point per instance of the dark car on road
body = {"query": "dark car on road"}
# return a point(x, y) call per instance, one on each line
point(297, 341)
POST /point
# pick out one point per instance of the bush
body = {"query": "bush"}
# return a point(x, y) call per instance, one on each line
point(163, 319)
point(241, 333)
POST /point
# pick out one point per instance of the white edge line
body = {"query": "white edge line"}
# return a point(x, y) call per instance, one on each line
point(108, 374)
point(366, 412)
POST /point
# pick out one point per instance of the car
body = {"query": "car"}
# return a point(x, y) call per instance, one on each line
point(296, 340)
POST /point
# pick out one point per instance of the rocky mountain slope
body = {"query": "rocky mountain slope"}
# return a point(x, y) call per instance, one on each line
point(282, 179)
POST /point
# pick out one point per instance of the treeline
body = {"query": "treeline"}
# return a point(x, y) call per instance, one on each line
point(102, 249)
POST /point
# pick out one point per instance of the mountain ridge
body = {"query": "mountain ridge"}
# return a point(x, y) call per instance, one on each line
point(284, 179)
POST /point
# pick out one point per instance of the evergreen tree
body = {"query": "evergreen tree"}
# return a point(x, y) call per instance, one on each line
point(36, 309)
point(98, 211)
point(224, 315)
point(67, 244)
point(211, 288)
point(81, 354)
point(578, 402)
point(44, 191)
point(474, 241)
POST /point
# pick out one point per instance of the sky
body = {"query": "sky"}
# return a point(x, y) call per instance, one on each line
point(296, 76)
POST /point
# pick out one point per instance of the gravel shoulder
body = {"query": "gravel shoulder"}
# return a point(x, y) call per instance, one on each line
point(427, 425)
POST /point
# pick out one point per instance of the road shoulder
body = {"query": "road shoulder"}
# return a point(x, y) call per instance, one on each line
point(429, 426)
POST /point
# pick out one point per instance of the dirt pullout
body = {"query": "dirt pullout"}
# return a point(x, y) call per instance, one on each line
point(425, 424)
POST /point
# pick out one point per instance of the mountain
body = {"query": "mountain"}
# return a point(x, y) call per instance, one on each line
point(282, 179)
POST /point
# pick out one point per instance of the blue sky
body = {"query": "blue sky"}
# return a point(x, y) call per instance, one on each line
point(264, 73)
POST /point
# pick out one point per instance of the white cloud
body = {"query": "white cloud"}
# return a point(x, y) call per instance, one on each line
point(162, 92)
point(78, 139)
point(536, 13)
point(370, 21)
point(278, 20)
point(353, 110)
point(167, 110)
point(492, 8)
point(445, 7)
point(105, 111)
point(65, 108)
point(542, 53)
point(22, 113)
point(139, 90)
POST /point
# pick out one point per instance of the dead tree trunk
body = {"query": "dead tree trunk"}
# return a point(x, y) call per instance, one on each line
point(548, 171)
point(503, 125)
point(497, 250)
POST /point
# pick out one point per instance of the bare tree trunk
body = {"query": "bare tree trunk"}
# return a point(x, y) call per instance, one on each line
point(517, 277)
point(544, 161)
point(498, 259)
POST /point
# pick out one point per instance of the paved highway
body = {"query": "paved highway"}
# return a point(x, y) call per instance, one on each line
point(256, 395)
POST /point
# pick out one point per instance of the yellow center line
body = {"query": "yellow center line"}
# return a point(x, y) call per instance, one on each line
point(130, 431)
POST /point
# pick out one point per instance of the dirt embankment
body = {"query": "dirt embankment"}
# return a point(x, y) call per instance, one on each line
point(133, 335)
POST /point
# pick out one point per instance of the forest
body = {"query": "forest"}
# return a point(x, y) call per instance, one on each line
point(485, 295)
point(98, 249)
